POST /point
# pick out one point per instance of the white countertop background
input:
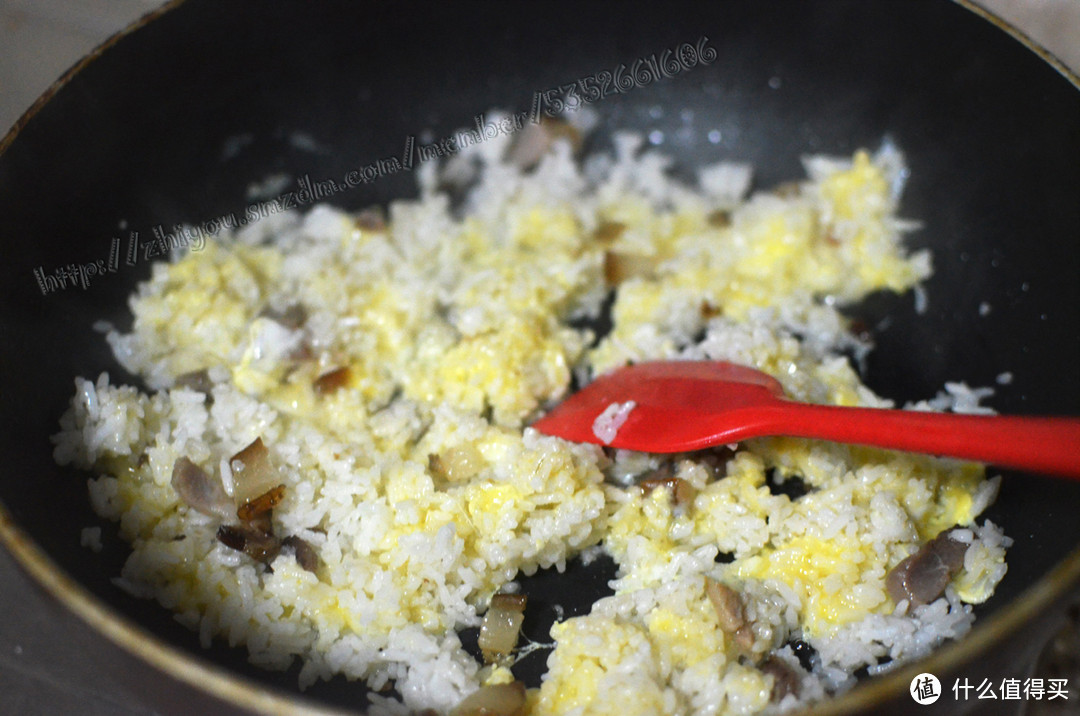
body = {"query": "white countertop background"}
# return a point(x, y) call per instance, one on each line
point(50, 662)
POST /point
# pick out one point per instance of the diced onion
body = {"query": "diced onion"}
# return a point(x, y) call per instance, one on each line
point(456, 464)
point(502, 625)
point(493, 700)
point(253, 473)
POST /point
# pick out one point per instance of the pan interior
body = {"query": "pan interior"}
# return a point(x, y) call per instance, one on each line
point(176, 120)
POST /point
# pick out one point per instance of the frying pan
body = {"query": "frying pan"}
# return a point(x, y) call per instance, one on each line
point(171, 122)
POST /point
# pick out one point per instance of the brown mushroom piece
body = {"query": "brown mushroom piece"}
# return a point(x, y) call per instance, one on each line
point(922, 577)
point(306, 555)
point(535, 140)
point(292, 317)
point(332, 381)
point(371, 219)
point(720, 218)
point(728, 605)
point(788, 190)
point(197, 380)
point(255, 543)
point(786, 678)
point(731, 613)
point(199, 490)
point(620, 266)
point(682, 492)
point(608, 231)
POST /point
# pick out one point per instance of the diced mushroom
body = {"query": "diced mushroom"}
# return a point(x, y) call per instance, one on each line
point(306, 555)
point(333, 381)
point(260, 546)
point(682, 492)
point(371, 219)
point(435, 465)
point(534, 140)
point(197, 380)
point(787, 190)
point(262, 522)
point(620, 266)
point(493, 700)
point(456, 464)
point(261, 504)
point(951, 551)
point(292, 317)
point(744, 638)
point(719, 218)
point(199, 490)
point(731, 613)
point(502, 625)
point(728, 605)
point(529, 148)
point(786, 679)
point(253, 473)
point(301, 353)
point(922, 577)
point(860, 329)
point(608, 231)
point(558, 129)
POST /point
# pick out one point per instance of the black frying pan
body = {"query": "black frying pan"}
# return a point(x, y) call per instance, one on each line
point(172, 122)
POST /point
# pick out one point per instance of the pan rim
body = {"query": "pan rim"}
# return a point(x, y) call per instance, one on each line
point(235, 690)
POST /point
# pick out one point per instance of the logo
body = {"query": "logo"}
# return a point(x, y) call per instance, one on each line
point(925, 689)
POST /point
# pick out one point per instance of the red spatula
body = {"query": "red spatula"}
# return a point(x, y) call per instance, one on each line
point(689, 405)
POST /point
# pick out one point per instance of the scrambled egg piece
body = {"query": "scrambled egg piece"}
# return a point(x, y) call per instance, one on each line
point(833, 239)
point(201, 306)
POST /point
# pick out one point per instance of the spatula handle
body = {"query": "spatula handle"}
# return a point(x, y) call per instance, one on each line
point(1046, 445)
